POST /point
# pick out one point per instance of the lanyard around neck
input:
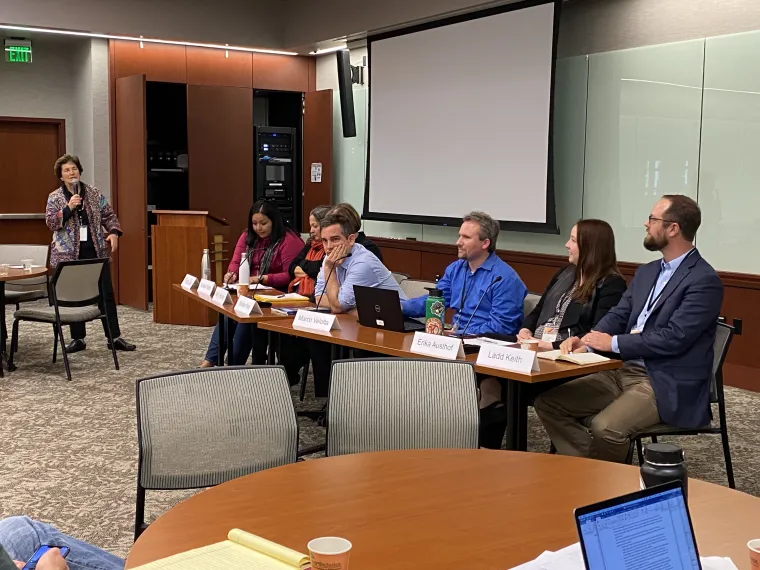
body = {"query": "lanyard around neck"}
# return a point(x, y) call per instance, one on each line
point(652, 302)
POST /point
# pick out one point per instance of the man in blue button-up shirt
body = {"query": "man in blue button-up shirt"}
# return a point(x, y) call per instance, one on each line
point(486, 293)
point(663, 329)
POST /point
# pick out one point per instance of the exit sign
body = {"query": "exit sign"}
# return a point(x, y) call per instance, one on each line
point(18, 51)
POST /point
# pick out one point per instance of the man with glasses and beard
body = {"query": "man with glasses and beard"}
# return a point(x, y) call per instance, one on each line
point(663, 329)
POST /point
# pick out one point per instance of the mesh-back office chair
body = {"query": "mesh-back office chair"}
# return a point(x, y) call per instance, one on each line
point(75, 290)
point(399, 277)
point(723, 336)
point(33, 288)
point(415, 287)
point(203, 427)
point(383, 404)
point(530, 302)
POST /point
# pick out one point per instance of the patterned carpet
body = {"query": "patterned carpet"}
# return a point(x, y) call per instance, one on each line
point(69, 450)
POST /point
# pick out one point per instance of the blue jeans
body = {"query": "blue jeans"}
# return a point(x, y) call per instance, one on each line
point(22, 536)
point(247, 338)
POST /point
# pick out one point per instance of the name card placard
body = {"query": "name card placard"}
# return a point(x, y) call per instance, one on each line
point(206, 287)
point(245, 307)
point(190, 282)
point(315, 321)
point(222, 296)
point(437, 345)
point(507, 358)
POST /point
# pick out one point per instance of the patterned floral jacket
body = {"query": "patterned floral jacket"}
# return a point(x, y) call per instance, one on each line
point(65, 245)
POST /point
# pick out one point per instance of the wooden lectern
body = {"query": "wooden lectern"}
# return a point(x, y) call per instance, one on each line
point(178, 241)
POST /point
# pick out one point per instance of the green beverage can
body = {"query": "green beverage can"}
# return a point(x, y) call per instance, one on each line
point(435, 308)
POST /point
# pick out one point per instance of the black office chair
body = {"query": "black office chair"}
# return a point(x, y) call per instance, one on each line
point(723, 337)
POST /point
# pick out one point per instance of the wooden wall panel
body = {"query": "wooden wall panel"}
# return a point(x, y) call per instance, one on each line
point(25, 231)
point(132, 183)
point(317, 147)
point(434, 263)
point(281, 72)
point(216, 67)
point(220, 150)
point(158, 62)
point(403, 261)
point(741, 297)
point(30, 147)
point(313, 74)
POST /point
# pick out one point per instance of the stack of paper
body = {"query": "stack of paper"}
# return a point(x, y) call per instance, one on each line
point(485, 341)
point(571, 558)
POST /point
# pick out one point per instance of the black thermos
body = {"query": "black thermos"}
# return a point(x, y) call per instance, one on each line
point(663, 462)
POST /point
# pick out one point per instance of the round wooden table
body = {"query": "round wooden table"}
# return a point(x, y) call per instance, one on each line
point(13, 275)
point(457, 509)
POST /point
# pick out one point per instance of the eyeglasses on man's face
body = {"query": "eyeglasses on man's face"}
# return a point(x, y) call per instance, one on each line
point(652, 219)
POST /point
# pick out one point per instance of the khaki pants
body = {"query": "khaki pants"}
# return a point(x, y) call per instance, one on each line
point(596, 415)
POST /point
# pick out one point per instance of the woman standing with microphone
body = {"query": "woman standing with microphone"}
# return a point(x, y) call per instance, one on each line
point(78, 214)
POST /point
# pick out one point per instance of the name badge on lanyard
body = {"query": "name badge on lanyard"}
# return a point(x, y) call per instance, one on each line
point(82, 233)
point(550, 334)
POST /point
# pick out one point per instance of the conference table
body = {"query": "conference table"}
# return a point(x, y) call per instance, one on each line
point(437, 509)
point(519, 385)
point(14, 274)
point(227, 311)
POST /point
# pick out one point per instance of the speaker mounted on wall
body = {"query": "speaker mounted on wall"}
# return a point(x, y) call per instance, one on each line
point(345, 87)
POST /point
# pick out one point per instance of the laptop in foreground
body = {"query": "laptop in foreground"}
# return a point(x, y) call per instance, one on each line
point(647, 529)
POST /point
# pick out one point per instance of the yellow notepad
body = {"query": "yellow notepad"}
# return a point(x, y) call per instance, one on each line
point(287, 298)
point(242, 550)
point(576, 357)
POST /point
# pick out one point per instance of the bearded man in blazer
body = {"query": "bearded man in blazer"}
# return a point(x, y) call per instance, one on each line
point(663, 329)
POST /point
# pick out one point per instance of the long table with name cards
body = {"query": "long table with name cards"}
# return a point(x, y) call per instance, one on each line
point(225, 306)
point(353, 335)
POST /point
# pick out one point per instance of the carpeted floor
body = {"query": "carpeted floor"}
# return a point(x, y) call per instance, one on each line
point(68, 450)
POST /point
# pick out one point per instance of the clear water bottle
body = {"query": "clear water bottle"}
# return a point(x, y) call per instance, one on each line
point(206, 265)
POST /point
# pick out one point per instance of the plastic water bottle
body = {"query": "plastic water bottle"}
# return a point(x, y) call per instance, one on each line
point(435, 307)
point(244, 273)
point(206, 265)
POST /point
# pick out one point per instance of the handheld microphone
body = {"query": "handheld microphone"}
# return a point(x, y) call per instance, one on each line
point(328, 279)
point(494, 282)
point(75, 185)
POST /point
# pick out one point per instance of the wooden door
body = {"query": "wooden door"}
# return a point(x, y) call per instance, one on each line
point(132, 190)
point(28, 150)
point(220, 151)
point(317, 148)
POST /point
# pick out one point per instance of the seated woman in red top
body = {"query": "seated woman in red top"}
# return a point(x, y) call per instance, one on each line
point(270, 246)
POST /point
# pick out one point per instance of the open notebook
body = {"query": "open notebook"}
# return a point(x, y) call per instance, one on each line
point(241, 551)
point(575, 358)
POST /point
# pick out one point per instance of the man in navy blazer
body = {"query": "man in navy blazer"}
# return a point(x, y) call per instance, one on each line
point(663, 329)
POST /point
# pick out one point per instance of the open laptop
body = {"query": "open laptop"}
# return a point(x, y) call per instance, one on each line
point(647, 529)
point(381, 309)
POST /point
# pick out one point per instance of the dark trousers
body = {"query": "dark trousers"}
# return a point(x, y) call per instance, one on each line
point(250, 338)
point(107, 305)
point(293, 355)
point(247, 338)
point(321, 362)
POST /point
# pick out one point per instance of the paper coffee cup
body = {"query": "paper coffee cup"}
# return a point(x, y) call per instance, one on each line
point(754, 553)
point(329, 553)
point(529, 345)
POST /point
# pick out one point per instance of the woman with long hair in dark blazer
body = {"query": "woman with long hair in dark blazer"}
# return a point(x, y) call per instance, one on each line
point(574, 301)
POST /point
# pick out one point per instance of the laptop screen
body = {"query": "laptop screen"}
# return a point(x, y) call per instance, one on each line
point(648, 532)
